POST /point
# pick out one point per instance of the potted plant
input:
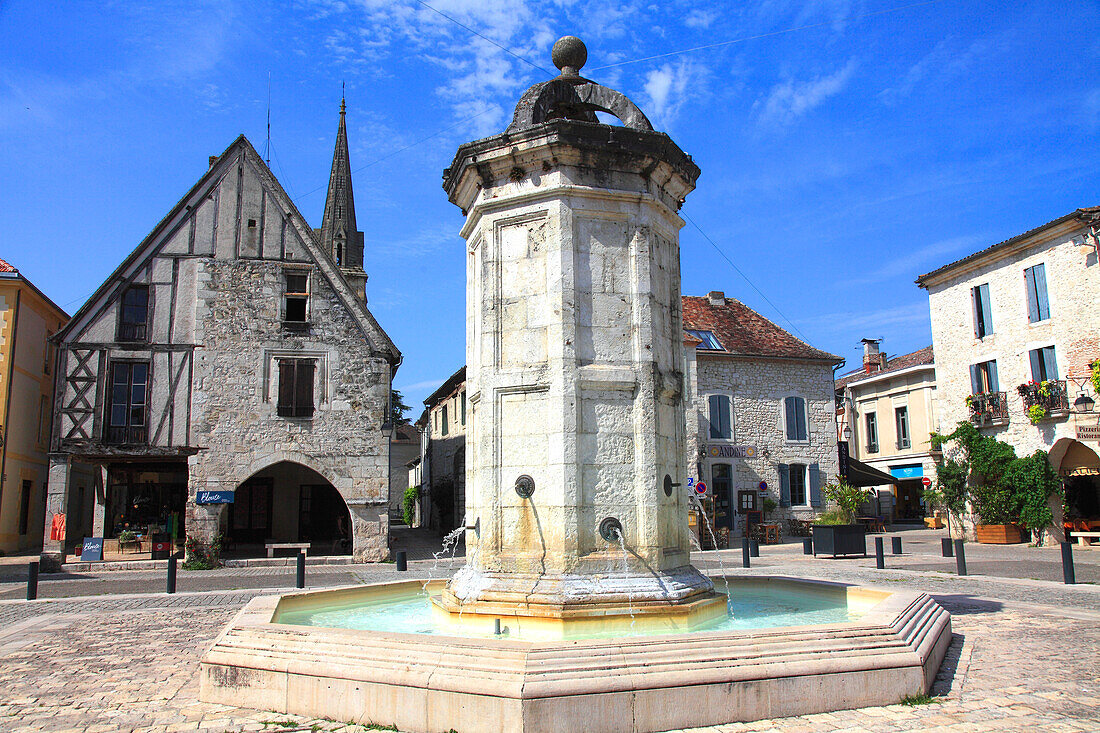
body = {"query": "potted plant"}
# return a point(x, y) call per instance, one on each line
point(768, 505)
point(835, 531)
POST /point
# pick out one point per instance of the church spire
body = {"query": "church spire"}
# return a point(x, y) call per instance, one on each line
point(340, 236)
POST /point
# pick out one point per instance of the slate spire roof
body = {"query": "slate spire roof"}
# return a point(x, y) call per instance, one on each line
point(340, 236)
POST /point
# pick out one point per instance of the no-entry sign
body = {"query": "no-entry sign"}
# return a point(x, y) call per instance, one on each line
point(926, 481)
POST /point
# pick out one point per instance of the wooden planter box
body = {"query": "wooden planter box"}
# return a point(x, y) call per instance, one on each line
point(999, 534)
point(840, 539)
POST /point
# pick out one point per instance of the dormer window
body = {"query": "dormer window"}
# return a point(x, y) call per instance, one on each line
point(134, 314)
point(710, 343)
point(296, 299)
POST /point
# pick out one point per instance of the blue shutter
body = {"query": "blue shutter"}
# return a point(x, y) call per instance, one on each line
point(976, 311)
point(792, 421)
point(724, 416)
point(994, 383)
point(1043, 304)
point(1050, 362)
point(1032, 301)
point(975, 380)
point(815, 486)
point(715, 420)
point(987, 311)
point(1036, 365)
point(784, 484)
point(803, 428)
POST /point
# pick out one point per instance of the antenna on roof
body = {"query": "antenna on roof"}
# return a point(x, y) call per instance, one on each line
point(267, 147)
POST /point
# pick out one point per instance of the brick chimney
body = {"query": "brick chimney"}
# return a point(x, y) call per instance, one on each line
point(873, 360)
point(716, 297)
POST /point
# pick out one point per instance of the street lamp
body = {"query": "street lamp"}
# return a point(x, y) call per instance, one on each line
point(387, 429)
point(847, 433)
point(1083, 403)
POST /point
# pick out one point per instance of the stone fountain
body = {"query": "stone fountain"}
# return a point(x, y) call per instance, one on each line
point(577, 608)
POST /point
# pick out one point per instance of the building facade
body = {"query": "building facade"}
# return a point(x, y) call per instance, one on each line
point(27, 319)
point(1015, 328)
point(228, 378)
point(443, 463)
point(759, 414)
point(404, 447)
point(889, 406)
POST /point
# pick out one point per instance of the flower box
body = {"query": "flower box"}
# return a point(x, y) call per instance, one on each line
point(999, 534)
point(840, 539)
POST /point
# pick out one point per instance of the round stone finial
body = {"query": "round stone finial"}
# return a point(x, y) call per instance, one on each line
point(569, 54)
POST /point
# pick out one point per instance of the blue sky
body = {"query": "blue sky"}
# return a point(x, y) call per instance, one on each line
point(840, 160)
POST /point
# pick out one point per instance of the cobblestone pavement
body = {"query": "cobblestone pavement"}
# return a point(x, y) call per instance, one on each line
point(129, 663)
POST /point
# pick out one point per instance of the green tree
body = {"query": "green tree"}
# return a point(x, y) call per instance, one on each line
point(398, 408)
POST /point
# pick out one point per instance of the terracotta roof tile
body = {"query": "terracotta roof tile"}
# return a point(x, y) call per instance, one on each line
point(916, 358)
point(5, 267)
point(744, 332)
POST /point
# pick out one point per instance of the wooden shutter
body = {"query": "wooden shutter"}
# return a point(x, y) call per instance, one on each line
point(975, 380)
point(792, 421)
point(1049, 362)
point(286, 388)
point(724, 414)
point(800, 419)
point(1036, 365)
point(303, 389)
point(815, 486)
point(987, 311)
point(1032, 299)
point(784, 484)
point(1042, 304)
point(994, 383)
point(715, 420)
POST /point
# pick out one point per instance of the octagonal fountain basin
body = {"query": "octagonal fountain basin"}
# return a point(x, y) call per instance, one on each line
point(383, 654)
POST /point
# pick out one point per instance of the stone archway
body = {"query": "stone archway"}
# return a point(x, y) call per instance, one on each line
point(1079, 467)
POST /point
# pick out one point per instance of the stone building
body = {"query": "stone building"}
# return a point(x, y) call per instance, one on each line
point(230, 358)
point(443, 462)
point(759, 413)
point(27, 318)
point(741, 374)
point(1015, 327)
point(889, 406)
point(404, 447)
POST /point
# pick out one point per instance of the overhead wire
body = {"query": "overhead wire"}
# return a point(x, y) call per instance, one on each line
point(506, 50)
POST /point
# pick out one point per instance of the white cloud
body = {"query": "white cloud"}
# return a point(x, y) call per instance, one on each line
point(790, 99)
point(701, 19)
point(667, 87)
point(867, 320)
point(918, 261)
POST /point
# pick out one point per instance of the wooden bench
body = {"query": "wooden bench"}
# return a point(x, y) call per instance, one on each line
point(272, 546)
point(1085, 538)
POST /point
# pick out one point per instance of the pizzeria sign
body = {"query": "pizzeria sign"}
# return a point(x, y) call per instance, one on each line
point(731, 451)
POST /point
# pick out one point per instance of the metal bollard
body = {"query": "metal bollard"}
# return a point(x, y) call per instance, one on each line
point(301, 570)
point(32, 580)
point(171, 585)
point(1067, 564)
point(808, 546)
point(754, 548)
point(960, 557)
point(880, 560)
point(895, 545)
point(401, 560)
point(945, 547)
point(744, 552)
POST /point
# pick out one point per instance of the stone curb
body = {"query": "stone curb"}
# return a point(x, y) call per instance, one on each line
point(255, 562)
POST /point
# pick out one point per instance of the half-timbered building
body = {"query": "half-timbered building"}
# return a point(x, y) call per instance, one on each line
point(228, 379)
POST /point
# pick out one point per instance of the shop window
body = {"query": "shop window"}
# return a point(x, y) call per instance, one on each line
point(794, 409)
point(128, 401)
point(1038, 305)
point(296, 298)
point(983, 312)
point(901, 423)
point(1044, 366)
point(871, 420)
point(296, 387)
point(983, 377)
point(720, 418)
point(134, 314)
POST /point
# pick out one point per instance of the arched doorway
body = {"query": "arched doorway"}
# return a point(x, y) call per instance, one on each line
point(288, 502)
point(1080, 472)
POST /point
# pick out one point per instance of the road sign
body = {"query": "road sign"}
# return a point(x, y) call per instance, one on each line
point(927, 482)
point(701, 488)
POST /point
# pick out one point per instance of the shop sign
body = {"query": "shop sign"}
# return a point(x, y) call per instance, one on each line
point(92, 550)
point(731, 451)
point(843, 456)
point(914, 471)
point(1088, 432)
point(214, 497)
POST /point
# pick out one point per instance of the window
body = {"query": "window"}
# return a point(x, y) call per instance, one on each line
point(983, 313)
point(901, 422)
point(463, 398)
point(443, 419)
point(296, 298)
point(25, 514)
point(798, 484)
point(1038, 306)
point(1043, 364)
point(134, 316)
point(708, 339)
point(719, 411)
point(983, 377)
point(129, 390)
point(795, 411)
point(872, 432)
point(296, 387)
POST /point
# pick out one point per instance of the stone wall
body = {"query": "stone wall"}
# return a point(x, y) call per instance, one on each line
point(757, 387)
